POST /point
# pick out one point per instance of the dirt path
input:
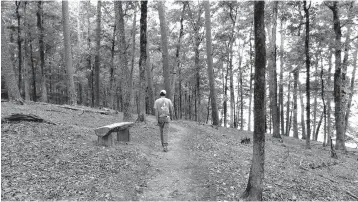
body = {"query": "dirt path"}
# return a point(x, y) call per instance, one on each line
point(172, 179)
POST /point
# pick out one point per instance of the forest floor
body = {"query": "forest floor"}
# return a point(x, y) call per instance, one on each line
point(41, 161)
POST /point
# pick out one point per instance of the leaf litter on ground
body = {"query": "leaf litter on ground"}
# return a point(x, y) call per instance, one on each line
point(225, 165)
point(63, 162)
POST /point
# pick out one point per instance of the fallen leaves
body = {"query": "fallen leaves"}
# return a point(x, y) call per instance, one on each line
point(63, 162)
point(46, 162)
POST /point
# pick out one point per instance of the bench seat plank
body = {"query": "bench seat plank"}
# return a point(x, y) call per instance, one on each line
point(104, 130)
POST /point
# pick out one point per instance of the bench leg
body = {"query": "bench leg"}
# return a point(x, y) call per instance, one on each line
point(106, 140)
point(123, 135)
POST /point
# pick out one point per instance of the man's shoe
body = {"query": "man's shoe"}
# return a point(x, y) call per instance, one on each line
point(165, 149)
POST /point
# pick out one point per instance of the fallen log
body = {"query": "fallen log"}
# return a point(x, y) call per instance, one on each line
point(85, 110)
point(25, 117)
point(53, 110)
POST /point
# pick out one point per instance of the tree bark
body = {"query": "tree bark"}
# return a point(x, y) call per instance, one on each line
point(273, 77)
point(348, 40)
point(338, 81)
point(351, 91)
point(225, 95)
point(280, 96)
point(33, 72)
point(142, 59)
point(177, 59)
point(196, 23)
point(26, 61)
point(254, 187)
point(308, 101)
point(324, 107)
point(314, 127)
point(295, 124)
point(304, 136)
point(251, 78)
point(288, 107)
point(318, 126)
point(42, 51)
point(241, 94)
point(133, 42)
point(127, 83)
point(214, 109)
point(150, 88)
point(165, 53)
point(6, 67)
point(329, 132)
point(112, 86)
point(68, 54)
point(90, 94)
point(232, 92)
point(97, 59)
point(19, 43)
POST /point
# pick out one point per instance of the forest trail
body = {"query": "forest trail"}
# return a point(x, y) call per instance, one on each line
point(172, 180)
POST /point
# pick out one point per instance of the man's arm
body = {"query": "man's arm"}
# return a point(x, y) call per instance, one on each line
point(156, 111)
point(156, 115)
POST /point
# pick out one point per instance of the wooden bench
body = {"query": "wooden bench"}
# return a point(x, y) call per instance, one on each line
point(105, 133)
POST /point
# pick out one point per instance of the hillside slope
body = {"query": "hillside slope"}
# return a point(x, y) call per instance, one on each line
point(40, 161)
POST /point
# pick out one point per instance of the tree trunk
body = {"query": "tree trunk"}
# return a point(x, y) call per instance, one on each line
point(273, 77)
point(251, 78)
point(112, 85)
point(302, 114)
point(339, 91)
point(232, 92)
point(225, 95)
point(324, 107)
point(197, 71)
point(126, 86)
point(33, 72)
point(6, 68)
point(68, 54)
point(177, 59)
point(208, 110)
point(165, 53)
point(315, 108)
point(231, 55)
point(90, 94)
point(318, 126)
point(288, 107)
point(329, 132)
point(149, 82)
point(282, 121)
point(133, 42)
point(180, 112)
point(214, 109)
point(308, 101)
point(97, 57)
point(197, 41)
point(295, 124)
point(18, 3)
point(348, 40)
point(42, 51)
point(142, 59)
point(254, 187)
point(26, 62)
point(241, 95)
point(351, 90)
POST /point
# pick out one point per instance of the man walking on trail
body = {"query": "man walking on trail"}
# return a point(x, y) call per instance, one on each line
point(163, 111)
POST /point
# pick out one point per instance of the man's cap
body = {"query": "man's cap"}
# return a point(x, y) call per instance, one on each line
point(163, 92)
